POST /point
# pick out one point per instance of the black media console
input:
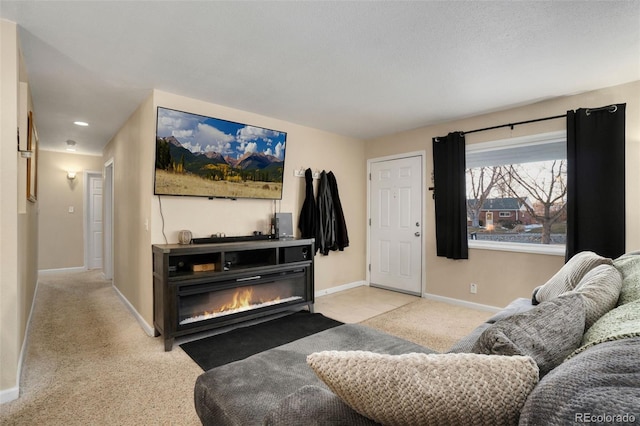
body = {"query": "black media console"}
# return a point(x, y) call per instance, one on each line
point(199, 287)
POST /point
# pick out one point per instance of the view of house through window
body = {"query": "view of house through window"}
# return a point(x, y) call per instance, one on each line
point(517, 190)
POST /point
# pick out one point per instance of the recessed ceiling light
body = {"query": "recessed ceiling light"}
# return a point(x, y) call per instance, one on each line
point(81, 123)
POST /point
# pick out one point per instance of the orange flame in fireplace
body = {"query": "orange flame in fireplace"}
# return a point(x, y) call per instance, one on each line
point(241, 299)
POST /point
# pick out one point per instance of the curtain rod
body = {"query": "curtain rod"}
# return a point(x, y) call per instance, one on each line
point(515, 124)
point(588, 111)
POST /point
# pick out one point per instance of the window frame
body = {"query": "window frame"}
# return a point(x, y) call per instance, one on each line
point(522, 141)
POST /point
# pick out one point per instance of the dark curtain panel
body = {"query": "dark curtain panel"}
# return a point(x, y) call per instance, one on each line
point(596, 181)
point(450, 196)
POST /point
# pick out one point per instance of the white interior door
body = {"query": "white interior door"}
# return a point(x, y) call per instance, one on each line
point(396, 224)
point(95, 230)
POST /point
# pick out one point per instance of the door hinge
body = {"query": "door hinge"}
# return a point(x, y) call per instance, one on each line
point(369, 176)
point(369, 221)
point(369, 267)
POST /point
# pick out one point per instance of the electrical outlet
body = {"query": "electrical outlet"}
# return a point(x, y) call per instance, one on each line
point(473, 288)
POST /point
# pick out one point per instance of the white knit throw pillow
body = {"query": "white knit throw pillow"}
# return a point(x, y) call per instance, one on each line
point(429, 389)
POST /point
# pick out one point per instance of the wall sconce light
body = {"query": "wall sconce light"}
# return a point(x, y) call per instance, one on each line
point(71, 175)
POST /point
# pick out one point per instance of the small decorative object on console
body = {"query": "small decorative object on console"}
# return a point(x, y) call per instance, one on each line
point(184, 236)
point(204, 267)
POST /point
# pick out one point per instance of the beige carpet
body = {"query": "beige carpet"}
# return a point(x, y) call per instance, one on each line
point(435, 325)
point(89, 362)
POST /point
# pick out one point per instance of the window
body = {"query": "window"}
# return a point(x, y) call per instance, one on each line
point(516, 194)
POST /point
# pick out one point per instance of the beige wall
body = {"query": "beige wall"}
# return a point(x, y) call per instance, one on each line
point(306, 148)
point(130, 151)
point(133, 151)
point(61, 235)
point(501, 276)
point(18, 218)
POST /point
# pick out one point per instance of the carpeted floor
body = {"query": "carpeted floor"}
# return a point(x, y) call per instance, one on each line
point(88, 361)
point(436, 325)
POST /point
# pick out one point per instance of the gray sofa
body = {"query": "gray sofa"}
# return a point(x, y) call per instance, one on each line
point(582, 329)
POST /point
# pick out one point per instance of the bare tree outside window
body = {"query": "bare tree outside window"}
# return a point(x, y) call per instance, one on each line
point(481, 181)
point(537, 189)
point(546, 185)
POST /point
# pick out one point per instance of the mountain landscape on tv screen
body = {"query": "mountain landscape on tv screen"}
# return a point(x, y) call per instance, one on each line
point(210, 157)
point(253, 175)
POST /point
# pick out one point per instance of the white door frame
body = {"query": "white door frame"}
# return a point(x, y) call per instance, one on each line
point(423, 155)
point(88, 174)
point(108, 206)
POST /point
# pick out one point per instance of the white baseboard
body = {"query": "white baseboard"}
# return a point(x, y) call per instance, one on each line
point(62, 270)
point(147, 329)
point(9, 395)
point(339, 288)
point(464, 303)
point(14, 392)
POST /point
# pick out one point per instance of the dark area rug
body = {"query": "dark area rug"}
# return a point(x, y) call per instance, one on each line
point(241, 343)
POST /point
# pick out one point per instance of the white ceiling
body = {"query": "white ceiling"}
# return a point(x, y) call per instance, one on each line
point(361, 69)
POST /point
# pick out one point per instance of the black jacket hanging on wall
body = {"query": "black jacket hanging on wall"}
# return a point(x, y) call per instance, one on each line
point(326, 230)
point(307, 223)
point(342, 237)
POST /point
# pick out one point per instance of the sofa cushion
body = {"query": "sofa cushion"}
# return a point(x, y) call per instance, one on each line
point(603, 381)
point(517, 306)
point(465, 345)
point(315, 406)
point(601, 289)
point(569, 275)
point(547, 333)
point(243, 392)
point(619, 323)
point(426, 389)
point(629, 267)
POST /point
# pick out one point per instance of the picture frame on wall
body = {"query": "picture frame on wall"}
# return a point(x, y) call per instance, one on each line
point(32, 161)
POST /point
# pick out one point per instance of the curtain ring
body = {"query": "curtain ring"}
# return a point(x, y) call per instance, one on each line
point(611, 108)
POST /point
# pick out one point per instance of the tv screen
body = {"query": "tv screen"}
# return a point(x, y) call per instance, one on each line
point(209, 157)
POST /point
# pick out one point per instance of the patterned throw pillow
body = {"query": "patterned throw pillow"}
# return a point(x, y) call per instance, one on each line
point(629, 266)
point(429, 389)
point(569, 275)
point(620, 323)
point(547, 333)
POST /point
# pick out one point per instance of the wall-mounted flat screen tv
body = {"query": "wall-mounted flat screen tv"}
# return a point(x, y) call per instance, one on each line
point(209, 157)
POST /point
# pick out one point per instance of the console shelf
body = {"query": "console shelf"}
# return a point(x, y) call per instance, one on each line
point(186, 277)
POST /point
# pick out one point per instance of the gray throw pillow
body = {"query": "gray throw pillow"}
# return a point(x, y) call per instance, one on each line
point(569, 275)
point(601, 289)
point(547, 333)
point(603, 380)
